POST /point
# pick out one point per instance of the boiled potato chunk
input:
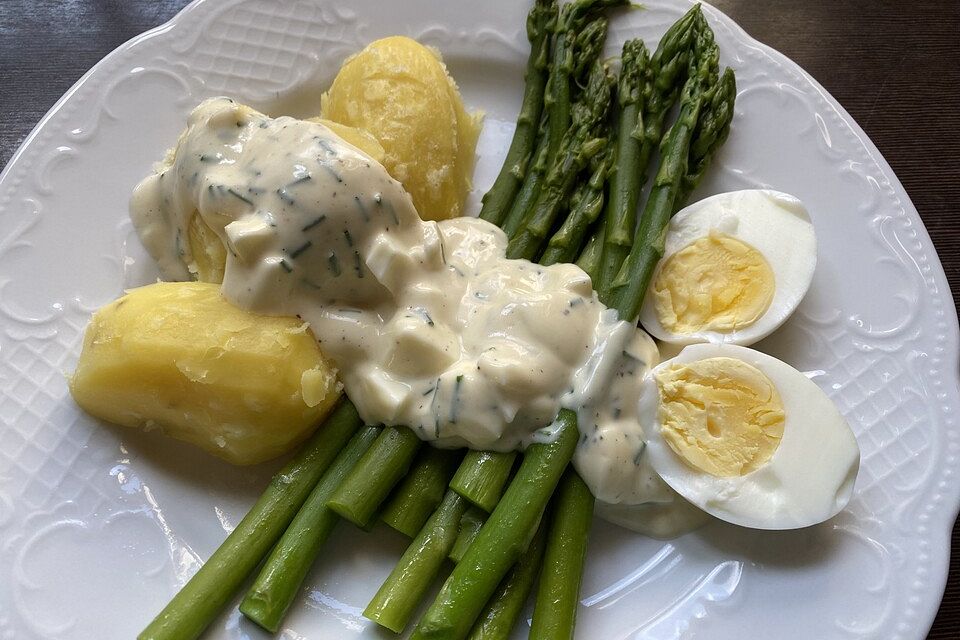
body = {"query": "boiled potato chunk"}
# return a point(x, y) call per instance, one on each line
point(176, 355)
point(399, 91)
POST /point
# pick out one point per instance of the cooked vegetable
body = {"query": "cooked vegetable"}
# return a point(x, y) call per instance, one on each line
point(502, 539)
point(400, 594)
point(482, 477)
point(400, 92)
point(706, 105)
point(626, 180)
point(420, 492)
point(470, 525)
point(178, 356)
point(649, 87)
point(369, 483)
point(496, 202)
point(208, 591)
point(583, 140)
point(588, 200)
point(284, 570)
point(555, 613)
point(505, 606)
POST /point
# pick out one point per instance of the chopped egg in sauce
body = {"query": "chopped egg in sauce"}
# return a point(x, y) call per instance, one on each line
point(433, 328)
point(429, 324)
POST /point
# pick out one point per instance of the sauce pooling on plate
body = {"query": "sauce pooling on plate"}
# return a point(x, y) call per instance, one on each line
point(430, 325)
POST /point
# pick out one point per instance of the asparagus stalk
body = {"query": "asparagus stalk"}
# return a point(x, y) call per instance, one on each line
point(482, 477)
point(530, 189)
point(565, 244)
point(555, 613)
point(279, 581)
point(369, 482)
point(580, 143)
point(634, 276)
point(502, 539)
point(421, 490)
point(578, 43)
point(589, 259)
point(471, 522)
point(648, 90)
point(209, 590)
point(502, 611)
point(574, 17)
point(712, 131)
point(398, 597)
point(627, 179)
point(496, 202)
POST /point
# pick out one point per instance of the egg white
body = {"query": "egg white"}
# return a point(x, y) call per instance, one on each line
point(810, 476)
point(775, 224)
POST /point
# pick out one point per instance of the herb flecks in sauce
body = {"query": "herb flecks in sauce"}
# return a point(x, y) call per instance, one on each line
point(428, 323)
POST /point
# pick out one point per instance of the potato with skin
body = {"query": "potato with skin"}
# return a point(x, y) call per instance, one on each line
point(244, 387)
point(399, 91)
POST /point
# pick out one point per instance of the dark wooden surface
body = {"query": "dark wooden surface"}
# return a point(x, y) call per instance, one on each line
point(894, 65)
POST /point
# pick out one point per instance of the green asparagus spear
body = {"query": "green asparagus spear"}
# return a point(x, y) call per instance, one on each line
point(502, 539)
point(580, 143)
point(565, 244)
point(369, 483)
point(578, 43)
point(712, 131)
point(398, 597)
point(279, 581)
point(482, 477)
point(589, 259)
point(555, 613)
point(209, 590)
point(470, 524)
point(574, 17)
point(627, 179)
point(530, 189)
point(634, 276)
point(498, 618)
point(421, 490)
point(496, 202)
point(649, 92)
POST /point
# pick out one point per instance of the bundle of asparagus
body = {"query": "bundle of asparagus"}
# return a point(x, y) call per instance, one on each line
point(501, 532)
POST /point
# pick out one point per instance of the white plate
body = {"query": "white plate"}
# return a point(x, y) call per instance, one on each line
point(99, 526)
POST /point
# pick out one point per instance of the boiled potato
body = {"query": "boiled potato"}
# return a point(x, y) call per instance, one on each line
point(399, 91)
point(177, 355)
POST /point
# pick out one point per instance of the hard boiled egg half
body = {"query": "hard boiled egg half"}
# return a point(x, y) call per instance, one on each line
point(748, 438)
point(735, 267)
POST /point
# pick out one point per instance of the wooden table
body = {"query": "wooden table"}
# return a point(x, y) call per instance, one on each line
point(894, 65)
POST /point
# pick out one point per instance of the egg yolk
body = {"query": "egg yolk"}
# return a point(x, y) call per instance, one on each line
point(720, 415)
point(715, 283)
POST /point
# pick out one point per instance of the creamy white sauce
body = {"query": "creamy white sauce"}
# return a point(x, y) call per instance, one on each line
point(430, 325)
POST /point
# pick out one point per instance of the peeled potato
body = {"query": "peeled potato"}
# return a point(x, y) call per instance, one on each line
point(399, 91)
point(244, 387)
